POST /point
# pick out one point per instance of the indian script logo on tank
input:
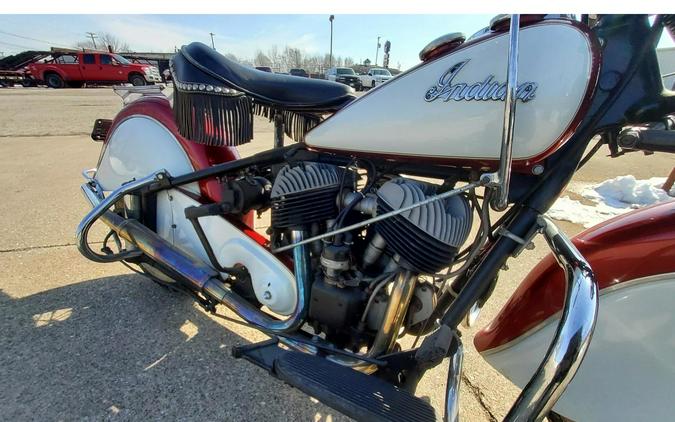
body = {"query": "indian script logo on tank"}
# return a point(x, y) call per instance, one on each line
point(488, 90)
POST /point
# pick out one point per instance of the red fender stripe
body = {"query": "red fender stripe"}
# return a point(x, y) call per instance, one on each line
point(634, 245)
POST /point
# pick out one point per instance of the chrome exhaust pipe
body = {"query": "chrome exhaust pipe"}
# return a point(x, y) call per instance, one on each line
point(394, 316)
point(196, 274)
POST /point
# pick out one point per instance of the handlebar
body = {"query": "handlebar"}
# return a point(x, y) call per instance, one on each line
point(652, 140)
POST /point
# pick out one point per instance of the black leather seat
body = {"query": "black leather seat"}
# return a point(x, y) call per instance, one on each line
point(198, 63)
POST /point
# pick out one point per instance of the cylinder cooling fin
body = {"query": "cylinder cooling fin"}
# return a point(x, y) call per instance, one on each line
point(427, 237)
point(305, 194)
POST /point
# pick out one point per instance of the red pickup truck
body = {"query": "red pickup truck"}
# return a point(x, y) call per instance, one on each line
point(74, 69)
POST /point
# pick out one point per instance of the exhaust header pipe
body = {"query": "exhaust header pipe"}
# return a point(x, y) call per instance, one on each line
point(195, 274)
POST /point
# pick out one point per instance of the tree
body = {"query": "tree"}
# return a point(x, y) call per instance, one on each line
point(326, 62)
point(232, 57)
point(105, 40)
point(349, 62)
point(366, 62)
point(273, 54)
point(261, 59)
point(293, 57)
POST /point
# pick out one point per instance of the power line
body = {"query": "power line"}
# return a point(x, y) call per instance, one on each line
point(16, 45)
point(24, 37)
point(32, 39)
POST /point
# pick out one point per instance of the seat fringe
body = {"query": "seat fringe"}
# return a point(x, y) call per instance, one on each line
point(296, 124)
point(227, 120)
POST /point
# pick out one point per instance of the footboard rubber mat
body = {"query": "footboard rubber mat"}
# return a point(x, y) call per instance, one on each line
point(357, 395)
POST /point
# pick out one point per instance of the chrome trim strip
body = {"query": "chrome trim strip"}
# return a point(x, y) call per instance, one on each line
point(506, 156)
point(572, 337)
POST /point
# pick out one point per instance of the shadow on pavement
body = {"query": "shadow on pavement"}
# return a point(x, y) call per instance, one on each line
point(123, 347)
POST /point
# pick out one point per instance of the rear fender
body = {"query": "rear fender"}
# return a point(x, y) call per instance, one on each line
point(144, 138)
point(60, 72)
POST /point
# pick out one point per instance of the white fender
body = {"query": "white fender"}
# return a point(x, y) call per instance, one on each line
point(140, 145)
point(628, 373)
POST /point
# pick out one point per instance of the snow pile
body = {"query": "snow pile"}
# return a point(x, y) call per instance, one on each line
point(611, 198)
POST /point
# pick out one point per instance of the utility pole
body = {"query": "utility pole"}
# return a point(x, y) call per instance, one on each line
point(212, 44)
point(93, 38)
point(331, 40)
point(377, 51)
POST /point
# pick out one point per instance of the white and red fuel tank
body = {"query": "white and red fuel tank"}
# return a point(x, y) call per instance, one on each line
point(450, 109)
point(629, 370)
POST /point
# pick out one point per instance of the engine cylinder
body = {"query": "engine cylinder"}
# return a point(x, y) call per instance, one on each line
point(305, 194)
point(427, 237)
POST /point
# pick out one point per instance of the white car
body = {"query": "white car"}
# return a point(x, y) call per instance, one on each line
point(375, 77)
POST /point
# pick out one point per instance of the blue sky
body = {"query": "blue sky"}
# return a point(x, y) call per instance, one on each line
point(354, 35)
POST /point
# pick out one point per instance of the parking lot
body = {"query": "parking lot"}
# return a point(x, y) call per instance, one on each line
point(93, 341)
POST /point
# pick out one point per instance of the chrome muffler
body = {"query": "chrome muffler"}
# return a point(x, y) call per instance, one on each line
point(195, 274)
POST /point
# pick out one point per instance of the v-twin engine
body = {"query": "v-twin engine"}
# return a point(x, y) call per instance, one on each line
point(349, 295)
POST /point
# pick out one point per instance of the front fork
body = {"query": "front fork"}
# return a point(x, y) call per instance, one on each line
point(569, 345)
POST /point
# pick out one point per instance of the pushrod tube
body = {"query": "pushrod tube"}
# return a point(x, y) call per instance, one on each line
point(501, 199)
point(572, 336)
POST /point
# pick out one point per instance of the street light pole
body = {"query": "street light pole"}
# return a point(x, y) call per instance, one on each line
point(212, 44)
point(331, 40)
point(377, 51)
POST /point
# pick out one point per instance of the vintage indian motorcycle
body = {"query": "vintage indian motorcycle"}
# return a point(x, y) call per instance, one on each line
point(372, 213)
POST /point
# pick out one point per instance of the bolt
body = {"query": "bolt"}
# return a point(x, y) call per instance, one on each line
point(537, 170)
point(267, 295)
